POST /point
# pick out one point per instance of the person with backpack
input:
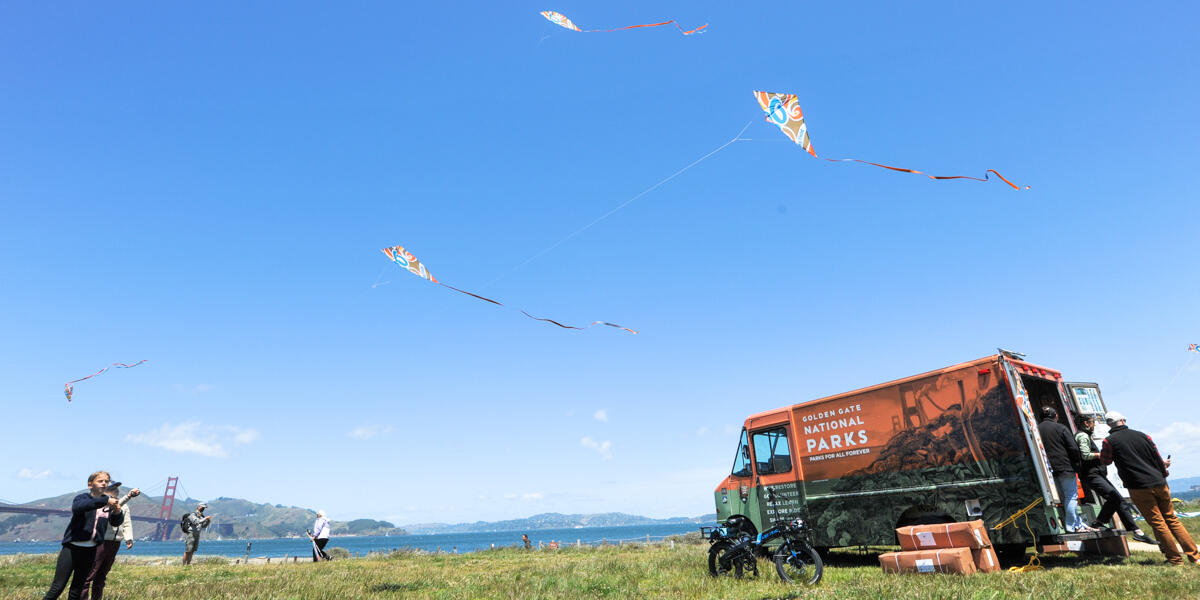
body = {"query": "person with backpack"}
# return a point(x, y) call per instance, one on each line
point(191, 524)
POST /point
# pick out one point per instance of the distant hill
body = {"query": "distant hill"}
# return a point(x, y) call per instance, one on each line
point(553, 521)
point(1183, 488)
point(232, 518)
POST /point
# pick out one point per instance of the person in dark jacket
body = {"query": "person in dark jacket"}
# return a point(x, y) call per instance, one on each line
point(79, 539)
point(1094, 475)
point(1144, 473)
point(1064, 459)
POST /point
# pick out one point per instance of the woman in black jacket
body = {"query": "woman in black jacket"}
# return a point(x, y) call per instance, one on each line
point(79, 540)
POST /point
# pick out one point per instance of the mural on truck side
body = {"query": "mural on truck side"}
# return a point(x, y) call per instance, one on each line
point(956, 433)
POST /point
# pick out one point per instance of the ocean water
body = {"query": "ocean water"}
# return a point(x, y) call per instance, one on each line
point(445, 542)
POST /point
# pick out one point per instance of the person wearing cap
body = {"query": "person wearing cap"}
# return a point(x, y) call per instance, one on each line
point(1095, 476)
point(193, 523)
point(1144, 473)
point(320, 534)
point(109, 543)
point(79, 540)
point(1064, 459)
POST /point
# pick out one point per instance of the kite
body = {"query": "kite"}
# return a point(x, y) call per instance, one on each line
point(562, 21)
point(784, 110)
point(70, 389)
point(1194, 348)
point(406, 260)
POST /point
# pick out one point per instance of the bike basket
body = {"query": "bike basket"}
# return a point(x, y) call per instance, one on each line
point(713, 533)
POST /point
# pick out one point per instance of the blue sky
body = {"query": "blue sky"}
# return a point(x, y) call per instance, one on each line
point(208, 188)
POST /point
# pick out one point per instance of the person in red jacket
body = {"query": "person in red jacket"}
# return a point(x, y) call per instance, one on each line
point(1144, 473)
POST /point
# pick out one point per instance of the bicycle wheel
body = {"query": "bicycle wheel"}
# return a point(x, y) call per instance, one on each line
point(798, 563)
point(715, 553)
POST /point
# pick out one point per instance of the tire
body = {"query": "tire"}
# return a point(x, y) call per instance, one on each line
point(798, 564)
point(715, 552)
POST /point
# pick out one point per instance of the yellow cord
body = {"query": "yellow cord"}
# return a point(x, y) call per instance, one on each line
point(1012, 519)
point(1034, 563)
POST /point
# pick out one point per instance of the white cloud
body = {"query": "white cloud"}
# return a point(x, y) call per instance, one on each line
point(193, 436)
point(367, 432)
point(532, 496)
point(1182, 442)
point(30, 474)
point(510, 496)
point(601, 415)
point(703, 431)
point(604, 448)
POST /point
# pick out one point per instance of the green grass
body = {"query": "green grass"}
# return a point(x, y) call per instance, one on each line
point(610, 572)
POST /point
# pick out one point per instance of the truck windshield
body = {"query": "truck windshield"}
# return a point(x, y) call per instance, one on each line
point(771, 451)
point(741, 461)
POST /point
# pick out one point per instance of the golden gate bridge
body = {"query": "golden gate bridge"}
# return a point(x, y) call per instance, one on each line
point(165, 525)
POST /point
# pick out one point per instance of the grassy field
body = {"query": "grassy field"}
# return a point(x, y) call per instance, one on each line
point(657, 571)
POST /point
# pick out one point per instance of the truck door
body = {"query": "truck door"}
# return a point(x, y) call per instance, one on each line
point(775, 470)
point(1089, 401)
point(1041, 464)
point(734, 494)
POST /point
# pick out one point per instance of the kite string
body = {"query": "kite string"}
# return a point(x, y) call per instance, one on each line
point(608, 214)
point(1170, 383)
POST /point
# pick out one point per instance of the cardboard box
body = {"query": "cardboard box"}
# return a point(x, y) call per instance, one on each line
point(941, 560)
point(969, 534)
point(986, 560)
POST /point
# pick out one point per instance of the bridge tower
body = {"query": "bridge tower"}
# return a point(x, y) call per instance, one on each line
point(163, 533)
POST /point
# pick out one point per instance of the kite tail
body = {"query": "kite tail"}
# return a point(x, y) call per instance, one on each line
point(613, 325)
point(550, 321)
point(69, 389)
point(629, 27)
point(915, 172)
point(691, 31)
point(469, 294)
point(671, 22)
point(89, 376)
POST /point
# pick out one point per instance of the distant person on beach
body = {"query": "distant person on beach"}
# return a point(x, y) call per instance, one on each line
point(79, 540)
point(553, 545)
point(110, 542)
point(1095, 476)
point(525, 540)
point(192, 524)
point(1144, 473)
point(320, 534)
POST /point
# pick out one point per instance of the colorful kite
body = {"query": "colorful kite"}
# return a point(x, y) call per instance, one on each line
point(405, 259)
point(1194, 348)
point(784, 110)
point(562, 21)
point(70, 389)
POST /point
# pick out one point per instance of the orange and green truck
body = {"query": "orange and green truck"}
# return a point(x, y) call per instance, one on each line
point(955, 444)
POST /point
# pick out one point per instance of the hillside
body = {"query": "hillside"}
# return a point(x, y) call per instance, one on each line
point(232, 518)
point(553, 521)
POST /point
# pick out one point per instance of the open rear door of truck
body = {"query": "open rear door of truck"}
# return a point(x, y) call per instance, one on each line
point(1089, 401)
point(1034, 439)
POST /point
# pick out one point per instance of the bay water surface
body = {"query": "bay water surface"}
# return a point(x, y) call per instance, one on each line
point(444, 542)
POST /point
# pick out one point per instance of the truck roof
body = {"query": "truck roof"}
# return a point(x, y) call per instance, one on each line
point(1023, 366)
